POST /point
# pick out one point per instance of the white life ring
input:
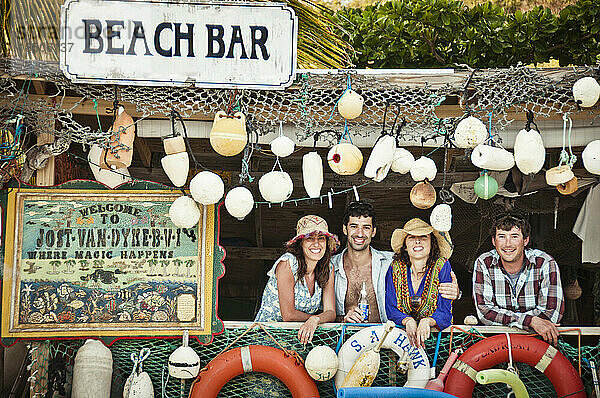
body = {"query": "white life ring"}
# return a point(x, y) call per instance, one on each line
point(416, 359)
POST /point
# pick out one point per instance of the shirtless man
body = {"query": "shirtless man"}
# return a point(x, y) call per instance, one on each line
point(359, 263)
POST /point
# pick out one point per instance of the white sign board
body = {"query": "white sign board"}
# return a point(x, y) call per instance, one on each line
point(167, 43)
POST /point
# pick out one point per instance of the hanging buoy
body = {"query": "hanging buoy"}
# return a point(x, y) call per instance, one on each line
point(275, 186)
point(228, 133)
point(239, 202)
point(321, 363)
point(403, 161)
point(282, 146)
point(345, 159)
point(122, 133)
point(207, 188)
point(312, 174)
point(422, 169)
point(138, 384)
point(486, 187)
point(441, 217)
point(176, 163)
point(568, 187)
point(492, 158)
point(423, 195)
point(92, 371)
point(110, 178)
point(470, 132)
point(559, 175)
point(381, 158)
point(586, 91)
point(530, 153)
point(184, 212)
point(591, 157)
point(350, 105)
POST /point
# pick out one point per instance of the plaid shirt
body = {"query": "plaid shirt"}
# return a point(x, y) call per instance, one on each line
point(539, 291)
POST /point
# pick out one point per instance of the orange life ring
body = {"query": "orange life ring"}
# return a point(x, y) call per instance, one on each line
point(526, 349)
point(254, 358)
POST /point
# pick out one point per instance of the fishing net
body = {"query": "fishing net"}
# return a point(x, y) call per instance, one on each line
point(258, 384)
point(413, 109)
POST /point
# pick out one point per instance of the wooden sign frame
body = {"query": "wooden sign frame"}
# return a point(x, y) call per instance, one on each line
point(99, 262)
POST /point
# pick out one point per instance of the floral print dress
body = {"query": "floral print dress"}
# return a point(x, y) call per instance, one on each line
point(269, 309)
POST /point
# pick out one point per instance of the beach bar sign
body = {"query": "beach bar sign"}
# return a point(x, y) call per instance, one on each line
point(167, 43)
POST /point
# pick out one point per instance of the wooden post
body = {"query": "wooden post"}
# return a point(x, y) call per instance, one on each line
point(45, 176)
point(41, 355)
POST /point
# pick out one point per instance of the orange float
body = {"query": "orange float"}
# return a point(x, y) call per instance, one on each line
point(254, 358)
point(525, 349)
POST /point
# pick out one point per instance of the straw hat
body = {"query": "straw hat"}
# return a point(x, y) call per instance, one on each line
point(418, 227)
point(311, 224)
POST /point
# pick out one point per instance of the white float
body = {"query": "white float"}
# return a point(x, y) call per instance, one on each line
point(403, 161)
point(591, 157)
point(492, 158)
point(345, 159)
point(470, 132)
point(109, 178)
point(184, 212)
point(207, 188)
point(312, 174)
point(176, 167)
point(350, 104)
point(92, 371)
point(184, 363)
point(239, 202)
point(423, 169)
point(282, 146)
point(321, 363)
point(381, 158)
point(275, 186)
point(586, 91)
point(441, 217)
point(530, 153)
point(559, 175)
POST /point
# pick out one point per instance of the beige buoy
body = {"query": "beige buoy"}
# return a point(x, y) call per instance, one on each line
point(573, 290)
point(470, 132)
point(586, 91)
point(92, 371)
point(423, 168)
point(350, 104)
point(529, 150)
point(591, 157)
point(321, 363)
point(441, 217)
point(345, 159)
point(559, 175)
point(282, 146)
point(470, 320)
point(207, 188)
point(239, 202)
point(381, 158)
point(423, 195)
point(275, 186)
point(228, 133)
point(492, 158)
point(174, 145)
point(184, 212)
point(403, 161)
point(312, 174)
point(122, 133)
point(568, 187)
point(110, 178)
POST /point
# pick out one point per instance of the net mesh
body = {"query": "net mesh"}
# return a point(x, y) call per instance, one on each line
point(412, 109)
point(259, 384)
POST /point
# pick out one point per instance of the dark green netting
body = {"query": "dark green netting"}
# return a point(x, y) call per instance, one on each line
point(258, 384)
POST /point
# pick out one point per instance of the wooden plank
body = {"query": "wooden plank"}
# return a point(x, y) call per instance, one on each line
point(258, 226)
point(45, 176)
point(251, 253)
point(40, 86)
point(141, 145)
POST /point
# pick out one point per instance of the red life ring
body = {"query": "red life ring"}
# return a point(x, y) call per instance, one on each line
point(526, 349)
point(254, 358)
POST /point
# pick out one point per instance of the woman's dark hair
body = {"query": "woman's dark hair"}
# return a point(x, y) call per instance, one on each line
point(359, 209)
point(321, 270)
point(434, 253)
point(506, 222)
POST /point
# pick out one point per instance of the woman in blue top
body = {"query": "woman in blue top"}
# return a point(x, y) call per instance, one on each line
point(301, 281)
point(411, 283)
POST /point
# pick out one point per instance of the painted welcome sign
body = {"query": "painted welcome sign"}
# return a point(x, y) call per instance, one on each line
point(107, 262)
point(235, 45)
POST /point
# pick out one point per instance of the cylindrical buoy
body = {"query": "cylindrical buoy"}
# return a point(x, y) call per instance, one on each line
point(92, 371)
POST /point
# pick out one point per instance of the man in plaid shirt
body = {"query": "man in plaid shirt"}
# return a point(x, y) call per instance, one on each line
point(515, 286)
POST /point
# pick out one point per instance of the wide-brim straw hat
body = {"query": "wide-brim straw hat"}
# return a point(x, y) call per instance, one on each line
point(418, 227)
point(312, 224)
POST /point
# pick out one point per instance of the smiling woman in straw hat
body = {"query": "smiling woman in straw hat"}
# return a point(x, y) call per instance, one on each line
point(301, 279)
point(420, 264)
